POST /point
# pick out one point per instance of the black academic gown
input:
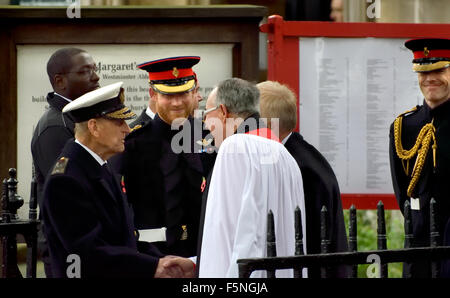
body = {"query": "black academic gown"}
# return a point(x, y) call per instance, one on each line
point(320, 188)
point(433, 183)
point(163, 186)
point(86, 213)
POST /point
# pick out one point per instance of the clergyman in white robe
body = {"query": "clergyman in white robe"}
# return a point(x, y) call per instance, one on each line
point(251, 176)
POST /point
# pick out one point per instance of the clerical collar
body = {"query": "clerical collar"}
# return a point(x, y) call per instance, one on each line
point(254, 126)
point(150, 113)
point(69, 100)
point(250, 123)
point(94, 155)
point(286, 138)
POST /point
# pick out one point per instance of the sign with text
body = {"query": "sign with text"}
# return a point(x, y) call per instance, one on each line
point(351, 90)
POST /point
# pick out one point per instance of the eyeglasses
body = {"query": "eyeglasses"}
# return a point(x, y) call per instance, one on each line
point(205, 112)
point(85, 72)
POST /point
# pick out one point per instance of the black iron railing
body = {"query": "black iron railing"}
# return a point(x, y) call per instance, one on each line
point(379, 258)
point(11, 225)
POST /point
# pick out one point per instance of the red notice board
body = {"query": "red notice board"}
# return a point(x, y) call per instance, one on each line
point(284, 65)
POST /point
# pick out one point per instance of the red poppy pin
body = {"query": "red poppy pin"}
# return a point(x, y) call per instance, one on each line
point(202, 187)
point(122, 183)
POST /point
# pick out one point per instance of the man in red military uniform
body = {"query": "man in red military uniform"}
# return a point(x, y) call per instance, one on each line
point(164, 185)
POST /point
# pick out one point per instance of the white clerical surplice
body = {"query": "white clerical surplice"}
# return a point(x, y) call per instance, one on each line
point(251, 176)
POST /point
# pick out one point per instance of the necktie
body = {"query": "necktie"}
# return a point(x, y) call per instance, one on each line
point(108, 176)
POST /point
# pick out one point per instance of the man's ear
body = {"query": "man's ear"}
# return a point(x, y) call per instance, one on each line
point(93, 127)
point(60, 82)
point(224, 111)
point(152, 93)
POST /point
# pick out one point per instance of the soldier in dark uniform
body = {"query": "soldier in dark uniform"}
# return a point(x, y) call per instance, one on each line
point(85, 211)
point(320, 185)
point(163, 170)
point(420, 146)
point(72, 73)
point(147, 114)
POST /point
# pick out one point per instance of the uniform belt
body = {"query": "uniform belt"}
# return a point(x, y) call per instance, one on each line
point(153, 235)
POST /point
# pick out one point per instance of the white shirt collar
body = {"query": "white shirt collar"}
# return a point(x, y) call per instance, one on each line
point(150, 113)
point(94, 155)
point(286, 138)
point(63, 97)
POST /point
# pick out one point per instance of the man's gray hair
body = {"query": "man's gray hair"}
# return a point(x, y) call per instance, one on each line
point(239, 96)
point(81, 127)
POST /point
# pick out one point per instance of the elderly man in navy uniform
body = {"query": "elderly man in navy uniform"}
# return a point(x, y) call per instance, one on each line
point(85, 209)
point(420, 147)
point(72, 73)
point(163, 172)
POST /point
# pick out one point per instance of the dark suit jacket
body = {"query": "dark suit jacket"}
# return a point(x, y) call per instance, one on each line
point(49, 137)
point(86, 213)
point(320, 188)
point(163, 186)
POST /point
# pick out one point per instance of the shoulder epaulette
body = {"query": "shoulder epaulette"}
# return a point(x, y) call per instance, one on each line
point(136, 127)
point(60, 166)
point(409, 112)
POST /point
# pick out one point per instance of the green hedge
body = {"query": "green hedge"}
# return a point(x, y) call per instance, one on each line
point(367, 235)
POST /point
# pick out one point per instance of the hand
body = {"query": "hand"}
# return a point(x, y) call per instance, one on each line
point(175, 267)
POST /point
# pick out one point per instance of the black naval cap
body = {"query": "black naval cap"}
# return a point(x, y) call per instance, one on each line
point(106, 102)
point(171, 75)
point(429, 53)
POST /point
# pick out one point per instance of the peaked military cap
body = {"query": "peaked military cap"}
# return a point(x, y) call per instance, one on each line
point(429, 53)
point(107, 102)
point(171, 75)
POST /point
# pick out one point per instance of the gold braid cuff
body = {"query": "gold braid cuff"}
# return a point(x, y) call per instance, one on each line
point(426, 134)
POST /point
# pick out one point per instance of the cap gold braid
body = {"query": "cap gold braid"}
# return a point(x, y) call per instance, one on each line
point(430, 67)
point(121, 114)
point(420, 148)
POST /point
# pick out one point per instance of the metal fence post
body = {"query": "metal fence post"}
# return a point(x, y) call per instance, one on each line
point(434, 236)
point(11, 201)
point(324, 243)
point(5, 202)
point(409, 237)
point(32, 238)
point(271, 246)
point(298, 240)
point(15, 201)
point(353, 238)
point(381, 231)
